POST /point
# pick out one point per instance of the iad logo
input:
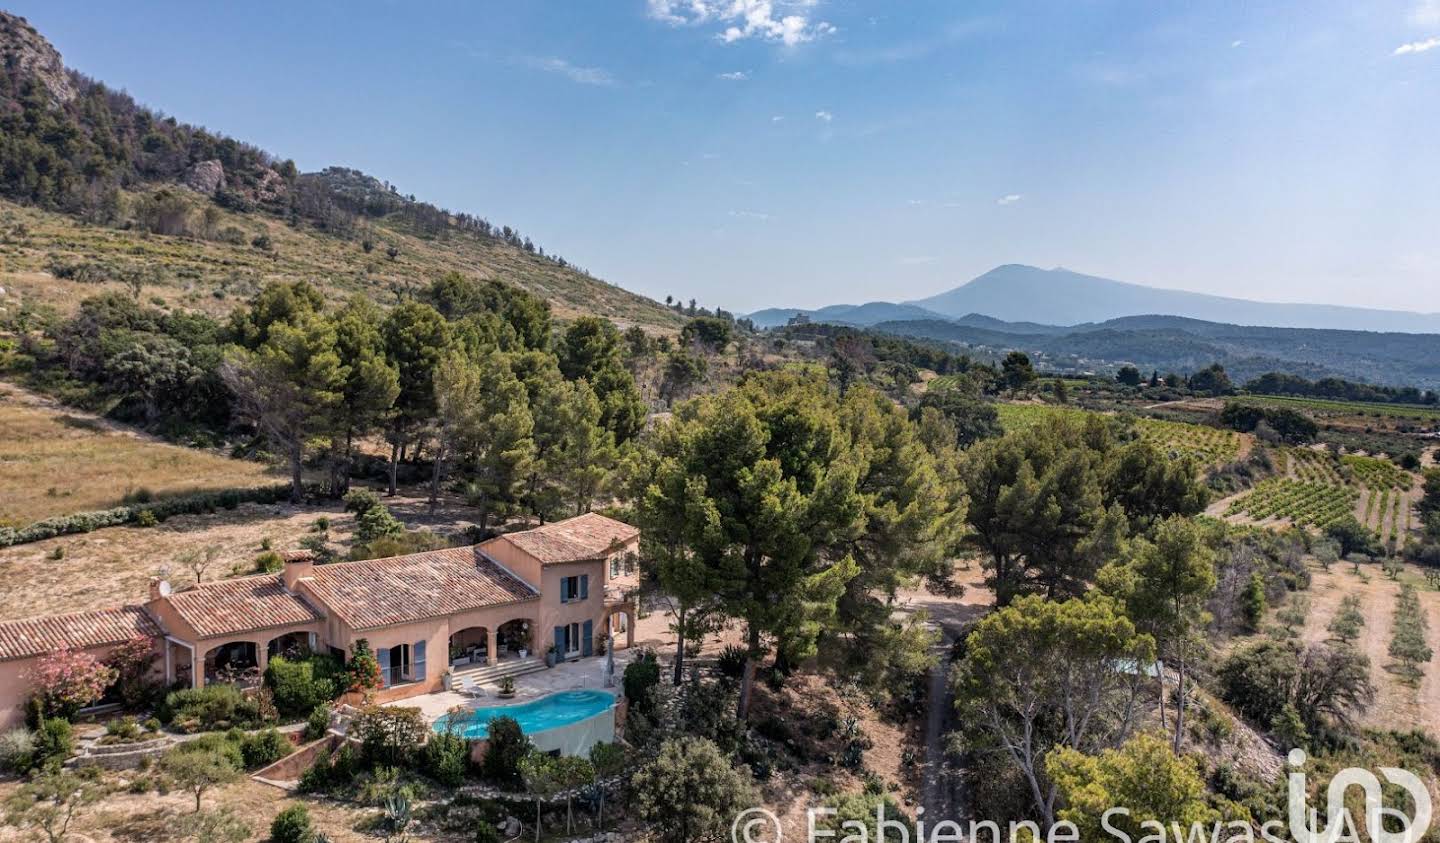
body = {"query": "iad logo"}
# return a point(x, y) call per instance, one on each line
point(1339, 824)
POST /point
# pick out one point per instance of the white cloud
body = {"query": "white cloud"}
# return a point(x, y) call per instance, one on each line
point(1417, 46)
point(751, 215)
point(575, 73)
point(1009, 199)
point(1236, 43)
point(779, 118)
point(786, 21)
point(824, 115)
point(734, 76)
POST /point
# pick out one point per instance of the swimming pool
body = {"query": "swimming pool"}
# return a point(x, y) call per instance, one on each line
point(557, 710)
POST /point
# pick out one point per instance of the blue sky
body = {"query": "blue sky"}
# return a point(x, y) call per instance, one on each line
point(751, 153)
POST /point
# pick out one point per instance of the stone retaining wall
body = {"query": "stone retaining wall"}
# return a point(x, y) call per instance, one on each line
point(289, 768)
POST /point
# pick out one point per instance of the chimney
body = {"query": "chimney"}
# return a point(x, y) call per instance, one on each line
point(298, 565)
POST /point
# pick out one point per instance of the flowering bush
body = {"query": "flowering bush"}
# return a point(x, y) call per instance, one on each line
point(131, 662)
point(67, 681)
point(364, 668)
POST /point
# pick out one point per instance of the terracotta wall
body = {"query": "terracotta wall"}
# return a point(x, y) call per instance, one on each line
point(16, 686)
point(14, 691)
point(553, 613)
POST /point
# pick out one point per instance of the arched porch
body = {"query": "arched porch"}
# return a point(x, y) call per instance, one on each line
point(291, 645)
point(233, 663)
point(471, 646)
point(515, 639)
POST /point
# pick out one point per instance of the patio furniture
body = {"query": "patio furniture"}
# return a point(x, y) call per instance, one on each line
point(467, 686)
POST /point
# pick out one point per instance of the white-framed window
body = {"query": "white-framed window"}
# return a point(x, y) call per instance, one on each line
point(572, 639)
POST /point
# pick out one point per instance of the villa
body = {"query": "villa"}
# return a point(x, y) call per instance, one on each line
point(500, 603)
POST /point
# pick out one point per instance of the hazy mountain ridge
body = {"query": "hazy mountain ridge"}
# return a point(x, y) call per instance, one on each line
point(1177, 344)
point(1015, 292)
point(1049, 299)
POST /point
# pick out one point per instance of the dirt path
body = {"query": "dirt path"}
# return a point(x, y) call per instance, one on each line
point(14, 393)
point(941, 790)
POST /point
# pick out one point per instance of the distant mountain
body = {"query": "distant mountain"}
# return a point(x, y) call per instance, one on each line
point(1016, 292)
point(844, 314)
point(1170, 343)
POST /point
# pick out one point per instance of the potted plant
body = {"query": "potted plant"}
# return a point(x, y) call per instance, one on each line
point(522, 642)
point(507, 687)
point(551, 656)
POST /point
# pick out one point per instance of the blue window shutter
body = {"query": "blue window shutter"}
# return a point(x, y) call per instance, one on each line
point(564, 589)
point(584, 586)
point(587, 639)
point(419, 661)
point(560, 641)
point(382, 655)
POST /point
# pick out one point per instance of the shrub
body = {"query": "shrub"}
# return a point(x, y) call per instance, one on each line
point(731, 662)
point(508, 744)
point(131, 663)
point(318, 722)
point(1256, 680)
point(269, 562)
point(210, 708)
point(443, 758)
point(292, 825)
point(264, 748)
point(641, 675)
point(67, 681)
point(225, 744)
point(390, 736)
point(333, 772)
point(196, 504)
point(485, 832)
point(360, 501)
point(377, 523)
point(124, 729)
point(300, 685)
point(17, 750)
point(363, 668)
point(146, 518)
point(53, 743)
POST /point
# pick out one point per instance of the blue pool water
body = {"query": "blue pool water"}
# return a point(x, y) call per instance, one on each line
point(550, 712)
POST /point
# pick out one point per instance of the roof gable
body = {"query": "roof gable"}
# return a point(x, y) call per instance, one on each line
point(401, 589)
point(589, 536)
point(226, 607)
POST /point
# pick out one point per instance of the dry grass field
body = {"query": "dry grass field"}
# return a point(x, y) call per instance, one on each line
point(1398, 704)
point(55, 461)
point(113, 566)
point(213, 276)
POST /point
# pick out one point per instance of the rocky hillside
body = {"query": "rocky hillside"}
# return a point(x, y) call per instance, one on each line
point(102, 190)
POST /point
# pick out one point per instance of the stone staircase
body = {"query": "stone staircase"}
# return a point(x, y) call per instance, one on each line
point(482, 674)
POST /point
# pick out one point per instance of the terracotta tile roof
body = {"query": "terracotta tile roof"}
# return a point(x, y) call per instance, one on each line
point(226, 607)
point(382, 592)
point(588, 536)
point(102, 627)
